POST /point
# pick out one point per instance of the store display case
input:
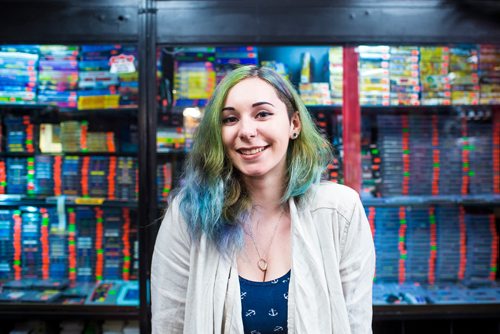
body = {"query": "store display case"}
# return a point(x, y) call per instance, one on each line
point(429, 159)
point(69, 181)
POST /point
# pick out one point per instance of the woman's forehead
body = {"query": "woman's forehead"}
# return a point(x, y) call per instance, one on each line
point(251, 89)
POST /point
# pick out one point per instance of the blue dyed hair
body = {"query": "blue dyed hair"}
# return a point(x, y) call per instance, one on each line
point(213, 200)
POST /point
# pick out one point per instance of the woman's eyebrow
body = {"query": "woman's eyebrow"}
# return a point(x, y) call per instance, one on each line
point(256, 104)
point(228, 109)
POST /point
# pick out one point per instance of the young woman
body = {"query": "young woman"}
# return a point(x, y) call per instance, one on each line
point(253, 242)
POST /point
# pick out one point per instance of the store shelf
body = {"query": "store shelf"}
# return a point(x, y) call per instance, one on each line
point(428, 109)
point(401, 312)
point(53, 113)
point(108, 113)
point(22, 311)
point(22, 200)
point(334, 108)
point(173, 151)
point(433, 200)
point(107, 154)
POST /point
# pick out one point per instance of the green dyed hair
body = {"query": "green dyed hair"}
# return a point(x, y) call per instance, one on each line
point(213, 199)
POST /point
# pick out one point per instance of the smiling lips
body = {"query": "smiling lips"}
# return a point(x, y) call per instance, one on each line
point(251, 151)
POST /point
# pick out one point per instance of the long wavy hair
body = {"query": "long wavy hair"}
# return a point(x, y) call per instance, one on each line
point(212, 198)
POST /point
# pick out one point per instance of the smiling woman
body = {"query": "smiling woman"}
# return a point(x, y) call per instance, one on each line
point(256, 130)
point(253, 241)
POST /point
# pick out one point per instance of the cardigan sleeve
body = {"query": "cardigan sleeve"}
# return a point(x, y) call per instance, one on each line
point(170, 273)
point(357, 268)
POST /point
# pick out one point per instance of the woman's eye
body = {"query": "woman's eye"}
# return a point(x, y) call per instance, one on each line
point(230, 119)
point(264, 114)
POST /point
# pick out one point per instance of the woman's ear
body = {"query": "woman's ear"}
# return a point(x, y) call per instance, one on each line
point(295, 125)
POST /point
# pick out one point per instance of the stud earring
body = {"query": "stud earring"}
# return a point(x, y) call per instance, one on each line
point(295, 135)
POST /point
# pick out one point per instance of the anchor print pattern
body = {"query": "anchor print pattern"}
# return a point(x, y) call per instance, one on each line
point(265, 305)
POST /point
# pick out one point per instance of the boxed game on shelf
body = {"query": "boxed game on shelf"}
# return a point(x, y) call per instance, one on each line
point(58, 75)
point(463, 75)
point(102, 87)
point(374, 83)
point(434, 75)
point(20, 132)
point(336, 71)
point(489, 74)
point(404, 75)
point(18, 74)
point(227, 58)
point(194, 76)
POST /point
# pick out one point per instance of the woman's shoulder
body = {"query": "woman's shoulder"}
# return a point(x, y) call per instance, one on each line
point(330, 195)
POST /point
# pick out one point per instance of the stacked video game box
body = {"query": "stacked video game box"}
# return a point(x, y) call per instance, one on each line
point(112, 244)
point(31, 250)
point(448, 244)
point(98, 87)
point(489, 74)
point(58, 75)
point(417, 244)
point(72, 133)
point(404, 75)
point(434, 75)
point(450, 156)
point(16, 176)
point(18, 74)
point(480, 137)
point(6, 242)
point(85, 241)
point(129, 82)
point(43, 175)
point(194, 76)
point(98, 183)
point(71, 175)
point(420, 177)
point(336, 70)
point(463, 75)
point(164, 180)
point(58, 244)
point(126, 179)
point(387, 243)
point(479, 247)
point(19, 134)
point(229, 57)
point(391, 154)
point(374, 83)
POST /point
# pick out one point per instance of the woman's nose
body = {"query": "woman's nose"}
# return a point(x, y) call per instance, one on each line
point(248, 129)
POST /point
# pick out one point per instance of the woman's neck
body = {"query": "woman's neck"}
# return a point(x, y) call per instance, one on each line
point(266, 193)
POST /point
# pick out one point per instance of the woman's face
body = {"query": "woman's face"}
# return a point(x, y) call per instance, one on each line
point(256, 129)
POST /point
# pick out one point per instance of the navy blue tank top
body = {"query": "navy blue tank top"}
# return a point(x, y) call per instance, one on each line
point(265, 305)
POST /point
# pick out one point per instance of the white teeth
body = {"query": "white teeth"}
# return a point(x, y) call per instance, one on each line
point(252, 151)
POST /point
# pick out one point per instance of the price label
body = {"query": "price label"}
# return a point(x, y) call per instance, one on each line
point(122, 64)
point(89, 200)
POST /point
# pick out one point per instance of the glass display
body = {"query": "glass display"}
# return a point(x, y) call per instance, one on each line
point(69, 174)
point(430, 151)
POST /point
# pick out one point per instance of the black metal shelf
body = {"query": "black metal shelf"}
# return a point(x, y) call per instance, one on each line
point(173, 151)
point(23, 311)
point(325, 107)
point(429, 109)
point(486, 199)
point(23, 200)
point(53, 113)
point(457, 311)
point(26, 154)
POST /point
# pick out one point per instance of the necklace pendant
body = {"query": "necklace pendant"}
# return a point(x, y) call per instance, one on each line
point(262, 264)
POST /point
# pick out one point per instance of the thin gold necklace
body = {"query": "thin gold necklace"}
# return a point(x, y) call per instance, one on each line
point(262, 263)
